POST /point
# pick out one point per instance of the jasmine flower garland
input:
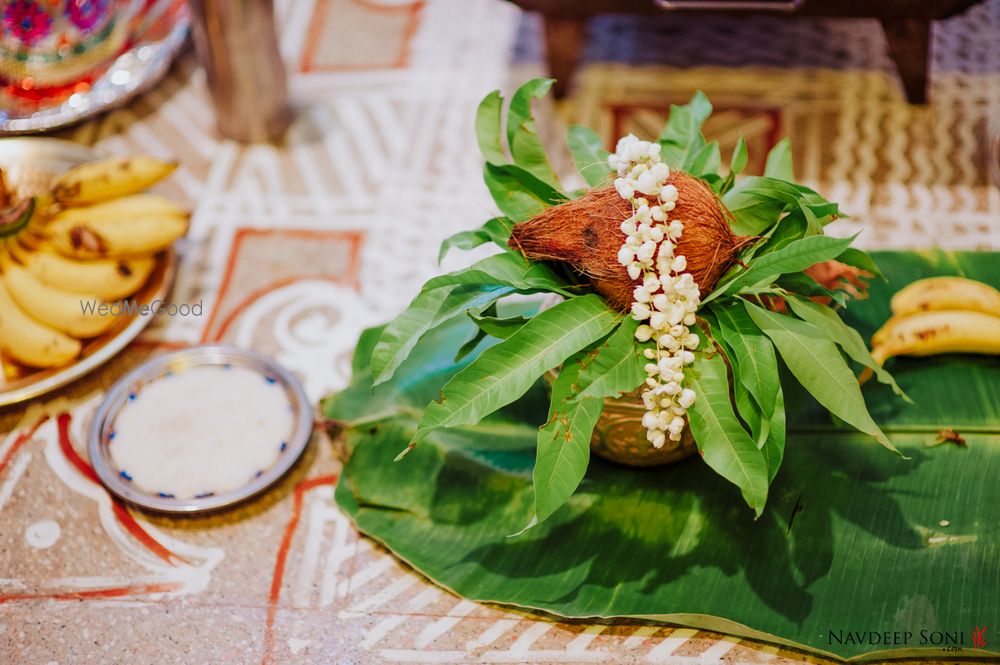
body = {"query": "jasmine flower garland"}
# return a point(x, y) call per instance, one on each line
point(667, 299)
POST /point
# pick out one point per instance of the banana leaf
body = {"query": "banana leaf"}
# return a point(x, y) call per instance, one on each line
point(859, 554)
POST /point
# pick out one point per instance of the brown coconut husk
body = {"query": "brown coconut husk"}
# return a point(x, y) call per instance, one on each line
point(585, 233)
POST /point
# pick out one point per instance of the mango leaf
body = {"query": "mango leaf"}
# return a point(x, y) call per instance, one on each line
point(753, 212)
point(706, 163)
point(756, 361)
point(495, 326)
point(845, 336)
point(506, 371)
point(507, 268)
point(795, 257)
point(525, 146)
point(616, 365)
point(563, 443)
point(817, 364)
point(589, 155)
point(779, 161)
point(861, 260)
point(746, 406)
point(738, 161)
point(803, 284)
point(723, 443)
point(470, 344)
point(428, 310)
point(681, 138)
point(496, 230)
point(757, 203)
point(519, 194)
point(488, 128)
point(774, 446)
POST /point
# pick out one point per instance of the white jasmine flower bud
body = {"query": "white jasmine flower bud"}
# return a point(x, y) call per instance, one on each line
point(675, 229)
point(656, 234)
point(669, 343)
point(646, 251)
point(647, 184)
point(660, 301)
point(691, 341)
point(654, 153)
point(658, 321)
point(675, 313)
point(644, 333)
point(652, 283)
point(679, 377)
point(686, 357)
point(649, 353)
point(687, 398)
point(641, 294)
point(628, 226)
point(680, 264)
point(658, 214)
point(668, 194)
point(640, 311)
point(634, 270)
point(678, 330)
point(649, 419)
point(659, 440)
point(645, 232)
point(676, 425)
point(623, 188)
point(690, 319)
point(626, 255)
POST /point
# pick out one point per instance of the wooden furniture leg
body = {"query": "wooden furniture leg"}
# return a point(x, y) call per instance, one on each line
point(909, 47)
point(563, 44)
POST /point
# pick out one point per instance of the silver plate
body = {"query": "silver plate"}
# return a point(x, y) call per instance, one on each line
point(98, 437)
point(132, 72)
point(31, 164)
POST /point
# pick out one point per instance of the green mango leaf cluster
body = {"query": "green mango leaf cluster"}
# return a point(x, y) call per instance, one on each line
point(762, 328)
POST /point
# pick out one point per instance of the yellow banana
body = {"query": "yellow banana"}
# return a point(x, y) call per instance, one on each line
point(940, 331)
point(124, 208)
point(66, 312)
point(936, 293)
point(107, 238)
point(30, 342)
point(108, 279)
point(106, 179)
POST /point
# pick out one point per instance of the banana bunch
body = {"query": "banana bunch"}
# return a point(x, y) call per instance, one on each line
point(92, 239)
point(940, 315)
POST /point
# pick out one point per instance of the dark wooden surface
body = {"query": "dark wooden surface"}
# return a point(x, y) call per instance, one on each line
point(906, 24)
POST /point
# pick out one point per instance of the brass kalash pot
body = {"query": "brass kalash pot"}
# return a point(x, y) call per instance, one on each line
point(619, 435)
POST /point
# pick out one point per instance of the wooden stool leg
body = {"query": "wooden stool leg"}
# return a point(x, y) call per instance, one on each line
point(909, 46)
point(563, 43)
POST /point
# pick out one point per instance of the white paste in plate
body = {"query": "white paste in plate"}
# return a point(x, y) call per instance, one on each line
point(200, 431)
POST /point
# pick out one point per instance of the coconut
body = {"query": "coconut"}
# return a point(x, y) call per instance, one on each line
point(586, 234)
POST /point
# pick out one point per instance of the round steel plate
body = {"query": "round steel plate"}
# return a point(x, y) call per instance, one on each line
point(99, 435)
